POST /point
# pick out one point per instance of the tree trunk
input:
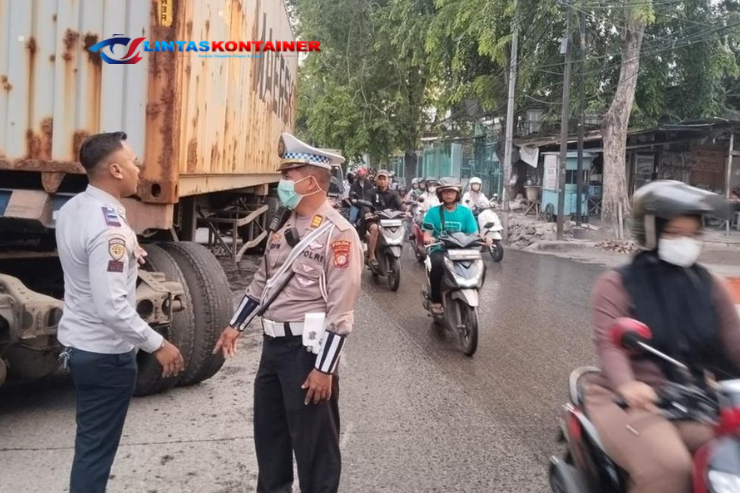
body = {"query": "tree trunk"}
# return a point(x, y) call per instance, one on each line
point(410, 160)
point(615, 127)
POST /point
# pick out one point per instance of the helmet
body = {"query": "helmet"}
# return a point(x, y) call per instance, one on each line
point(448, 183)
point(666, 199)
point(415, 181)
point(475, 181)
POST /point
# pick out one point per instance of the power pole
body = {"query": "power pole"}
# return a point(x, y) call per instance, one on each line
point(564, 121)
point(510, 120)
point(582, 118)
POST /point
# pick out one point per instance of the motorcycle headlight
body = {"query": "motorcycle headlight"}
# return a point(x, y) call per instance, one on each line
point(724, 482)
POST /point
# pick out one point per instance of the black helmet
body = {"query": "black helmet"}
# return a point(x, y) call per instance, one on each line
point(666, 199)
point(448, 183)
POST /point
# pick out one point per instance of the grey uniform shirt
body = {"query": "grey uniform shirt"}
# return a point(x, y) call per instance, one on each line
point(97, 249)
point(327, 274)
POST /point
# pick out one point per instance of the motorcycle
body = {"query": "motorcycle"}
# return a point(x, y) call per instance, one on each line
point(390, 243)
point(417, 242)
point(490, 226)
point(587, 467)
point(464, 275)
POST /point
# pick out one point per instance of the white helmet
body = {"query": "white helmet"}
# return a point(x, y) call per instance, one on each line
point(475, 180)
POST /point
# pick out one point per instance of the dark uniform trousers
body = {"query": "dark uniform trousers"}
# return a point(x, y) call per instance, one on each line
point(104, 385)
point(283, 424)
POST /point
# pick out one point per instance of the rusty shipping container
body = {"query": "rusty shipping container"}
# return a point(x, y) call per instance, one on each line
point(200, 125)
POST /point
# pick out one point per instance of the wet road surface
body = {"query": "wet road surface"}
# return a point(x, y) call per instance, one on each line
point(417, 414)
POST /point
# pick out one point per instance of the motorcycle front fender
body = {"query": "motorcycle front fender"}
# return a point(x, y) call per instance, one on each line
point(494, 235)
point(394, 251)
point(469, 296)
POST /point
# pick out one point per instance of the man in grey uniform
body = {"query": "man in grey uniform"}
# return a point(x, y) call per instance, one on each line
point(100, 328)
point(308, 283)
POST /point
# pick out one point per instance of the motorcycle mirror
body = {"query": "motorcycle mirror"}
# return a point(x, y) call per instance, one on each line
point(627, 333)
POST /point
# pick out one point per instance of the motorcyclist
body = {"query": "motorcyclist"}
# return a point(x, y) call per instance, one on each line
point(449, 217)
point(416, 190)
point(361, 189)
point(383, 198)
point(474, 198)
point(430, 196)
point(692, 318)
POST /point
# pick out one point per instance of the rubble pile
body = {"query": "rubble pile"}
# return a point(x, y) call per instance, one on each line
point(618, 246)
point(523, 233)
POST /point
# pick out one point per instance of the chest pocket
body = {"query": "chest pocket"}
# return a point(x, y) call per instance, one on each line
point(307, 272)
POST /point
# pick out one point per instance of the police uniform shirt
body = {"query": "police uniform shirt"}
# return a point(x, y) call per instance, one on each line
point(97, 249)
point(326, 277)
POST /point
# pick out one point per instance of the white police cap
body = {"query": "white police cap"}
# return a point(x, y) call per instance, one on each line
point(295, 153)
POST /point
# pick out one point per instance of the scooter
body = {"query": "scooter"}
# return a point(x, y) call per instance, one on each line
point(464, 275)
point(417, 243)
point(586, 467)
point(490, 226)
point(390, 243)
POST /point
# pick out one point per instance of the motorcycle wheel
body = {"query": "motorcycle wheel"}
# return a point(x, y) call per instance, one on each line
point(394, 273)
point(564, 478)
point(469, 334)
point(497, 251)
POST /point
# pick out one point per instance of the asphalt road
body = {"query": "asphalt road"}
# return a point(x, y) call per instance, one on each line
point(417, 415)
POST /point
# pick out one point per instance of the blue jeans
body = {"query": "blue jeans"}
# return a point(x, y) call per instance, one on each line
point(353, 213)
point(104, 384)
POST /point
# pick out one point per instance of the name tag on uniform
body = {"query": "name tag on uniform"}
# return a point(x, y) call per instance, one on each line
point(313, 331)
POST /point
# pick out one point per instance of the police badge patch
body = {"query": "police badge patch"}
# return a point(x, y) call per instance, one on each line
point(341, 253)
point(117, 247)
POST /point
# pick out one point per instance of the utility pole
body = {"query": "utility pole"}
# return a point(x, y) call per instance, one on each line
point(582, 118)
point(562, 165)
point(510, 120)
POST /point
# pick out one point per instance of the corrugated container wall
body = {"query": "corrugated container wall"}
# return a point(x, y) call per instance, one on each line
point(199, 124)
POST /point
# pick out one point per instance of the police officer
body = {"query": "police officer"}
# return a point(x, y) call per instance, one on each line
point(100, 328)
point(308, 284)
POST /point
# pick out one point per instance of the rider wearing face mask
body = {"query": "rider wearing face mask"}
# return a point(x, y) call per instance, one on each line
point(430, 195)
point(474, 198)
point(692, 318)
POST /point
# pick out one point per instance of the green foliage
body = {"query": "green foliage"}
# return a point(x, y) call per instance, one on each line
point(383, 62)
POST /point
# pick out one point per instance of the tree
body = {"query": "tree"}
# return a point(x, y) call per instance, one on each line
point(615, 202)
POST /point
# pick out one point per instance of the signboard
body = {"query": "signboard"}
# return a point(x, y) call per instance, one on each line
point(550, 178)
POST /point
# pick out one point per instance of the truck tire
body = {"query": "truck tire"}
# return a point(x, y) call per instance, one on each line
point(212, 306)
point(181, 333)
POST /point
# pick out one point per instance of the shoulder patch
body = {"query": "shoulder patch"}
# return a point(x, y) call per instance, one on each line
point(116, 247)
point(341, 251)
point(115, 266)
point(111, 216)
point(316, 221)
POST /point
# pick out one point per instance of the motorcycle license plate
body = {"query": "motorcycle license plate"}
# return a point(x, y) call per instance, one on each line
point(390, 223)
point(463, 254)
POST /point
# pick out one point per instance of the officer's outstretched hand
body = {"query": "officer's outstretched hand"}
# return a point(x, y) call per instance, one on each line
point(227, 342)
point(319, 387)
point(170, 358)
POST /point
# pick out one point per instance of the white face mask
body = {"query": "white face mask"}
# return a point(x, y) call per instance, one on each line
point(679, 251)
